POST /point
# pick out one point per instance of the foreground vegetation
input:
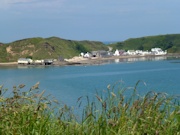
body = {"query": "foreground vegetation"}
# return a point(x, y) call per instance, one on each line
point(31, 112)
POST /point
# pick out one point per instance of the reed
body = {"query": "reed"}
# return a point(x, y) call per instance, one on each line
point(110, 112)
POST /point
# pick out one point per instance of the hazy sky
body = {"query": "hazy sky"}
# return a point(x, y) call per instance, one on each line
point(102, 20)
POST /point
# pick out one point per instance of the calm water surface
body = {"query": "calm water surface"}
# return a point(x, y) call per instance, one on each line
point(70, 82)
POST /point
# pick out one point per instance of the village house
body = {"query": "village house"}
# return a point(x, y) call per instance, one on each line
point(100, 53)
point(116, 53)
point(158, 51)
point(131, 52)
point(87, 55)
point(154, 51)
point(48, 61)
point(40, 62)
point(139, 52)
point(25, 61)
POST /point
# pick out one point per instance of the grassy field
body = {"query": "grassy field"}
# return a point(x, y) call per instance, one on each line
point(32, 112)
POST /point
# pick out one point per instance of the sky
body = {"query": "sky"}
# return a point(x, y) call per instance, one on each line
point(98, 20)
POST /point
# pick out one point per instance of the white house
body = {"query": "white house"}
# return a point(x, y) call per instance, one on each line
point(139, 52)
point(146, 53)
point(131, 52)
point(158, 51)
point(86, 55)
point(82, 54)
point(24, 61)
point(116, 53)
point(39, 61)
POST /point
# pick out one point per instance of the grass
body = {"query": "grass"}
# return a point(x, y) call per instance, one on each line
point(168, 42)
point(32, 112)
point(47, 48)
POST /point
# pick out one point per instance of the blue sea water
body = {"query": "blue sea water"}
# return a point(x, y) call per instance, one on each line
point(68, 83)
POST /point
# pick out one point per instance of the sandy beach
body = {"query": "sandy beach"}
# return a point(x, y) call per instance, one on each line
point(9, 64)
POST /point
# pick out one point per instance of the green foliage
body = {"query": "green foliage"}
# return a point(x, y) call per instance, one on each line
point(45, 48)
point(30, 57)
point(3, 54)
point(31, 112)
point(81, 48)
point(166, 42)
point(25, 112)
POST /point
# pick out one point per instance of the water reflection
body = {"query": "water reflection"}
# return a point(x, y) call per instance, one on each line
point(117, 60)
point(139, 59)
point(30, 66)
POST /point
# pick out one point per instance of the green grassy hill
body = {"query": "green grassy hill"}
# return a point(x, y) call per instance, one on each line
point(43, 48)
point(54, 47)
point(171, 43)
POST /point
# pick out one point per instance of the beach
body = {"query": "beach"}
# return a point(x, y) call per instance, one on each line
point(9, 64)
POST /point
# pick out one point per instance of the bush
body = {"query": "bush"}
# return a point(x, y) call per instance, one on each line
point(31, 112)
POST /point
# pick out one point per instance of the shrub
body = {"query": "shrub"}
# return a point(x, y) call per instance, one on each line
point(111, 112)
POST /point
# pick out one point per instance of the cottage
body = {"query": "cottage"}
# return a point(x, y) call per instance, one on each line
point(48, 62)
point(122, 52)
point(131, 52)
point(100, 53)
point(158, 51)
point(40, 62)
point(139, 52)
point(25, 61)
point(146, 53)
point(116, 53)
point(87, 55)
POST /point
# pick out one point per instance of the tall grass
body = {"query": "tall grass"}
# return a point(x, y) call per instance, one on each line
point(110, 113)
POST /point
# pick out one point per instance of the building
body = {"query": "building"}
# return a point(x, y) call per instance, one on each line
point(158, 51)
point(100, 53)
point(131, 52)
point(48, 62)
point(25, 61)
point(116, 53)
point(39, 62)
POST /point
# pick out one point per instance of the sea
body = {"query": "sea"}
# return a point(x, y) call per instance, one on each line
point(68, 83)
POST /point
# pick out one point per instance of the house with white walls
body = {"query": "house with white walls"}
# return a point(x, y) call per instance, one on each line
point(25, 61)
point(131, 52)
point(158, 51)
point(116, 53)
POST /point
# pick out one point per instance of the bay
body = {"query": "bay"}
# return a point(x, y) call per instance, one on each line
point(68, 83)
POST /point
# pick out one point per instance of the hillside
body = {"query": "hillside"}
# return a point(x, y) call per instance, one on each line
point(44, 48)
point(171, 43)
point(54, 47)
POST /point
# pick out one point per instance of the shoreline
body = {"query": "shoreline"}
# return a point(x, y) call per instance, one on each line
point(94, 61)
point(9, 64)
point(91, 61)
